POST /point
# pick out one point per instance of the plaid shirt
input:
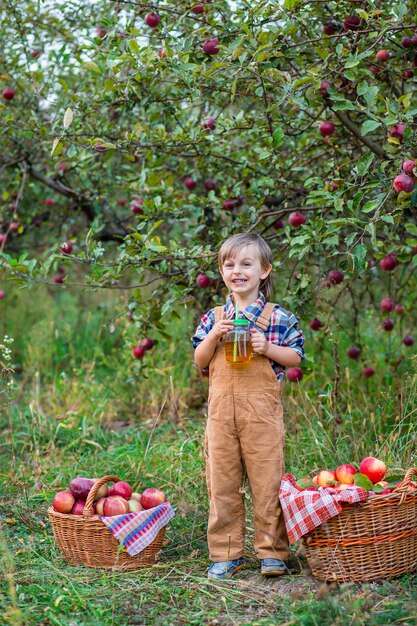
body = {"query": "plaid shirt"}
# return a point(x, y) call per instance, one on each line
point(283, 328)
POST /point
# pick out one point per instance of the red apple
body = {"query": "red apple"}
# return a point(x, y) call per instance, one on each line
point(344, 473)
point(399, 308)
point(329, 28)
point(323, 88)
point(388, 263)
point(2, 294)
point(198, 8)
point(407, 42)
point(80, 487)
point(373, 468)
point(368, 372)
point(35, 53)
point(296, 219)
point(78, 508)
point(402, 182)
point(115, 505)
point(210, 46)
point(387, 304)
point(316, 324)
point(147, 343)
point(383, 55)
point(136, 205)
point(352, 22)
point(387, 324)
point(99, 506)
point(135, 506)
point(152, 497)
point(63, 502)
point(326, 128)
point(49, 201)
point(59, 279)
point(152, 19)
point(209, 123)
point(294, 374)
point(326, 477)
point(408, 340)
point(135, 496)
point(408, 166)
point(397, 131)
point(121, 488)
point(189, 183)
point(8, 93)
point(66, 247)
point(354, 352)
point(279, 223)
point(335, 277)
point(138, 352)
point(204, 281)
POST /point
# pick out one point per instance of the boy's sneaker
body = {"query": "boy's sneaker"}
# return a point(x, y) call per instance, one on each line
point(225, 569)
point(273, 567)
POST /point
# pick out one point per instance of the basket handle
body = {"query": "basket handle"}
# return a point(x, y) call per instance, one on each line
point(88, 508)
point(412, 471)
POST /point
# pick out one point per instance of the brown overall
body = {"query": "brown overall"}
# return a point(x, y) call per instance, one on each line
point(245, 429)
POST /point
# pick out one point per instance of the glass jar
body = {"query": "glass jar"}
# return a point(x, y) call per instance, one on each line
point(238, 343)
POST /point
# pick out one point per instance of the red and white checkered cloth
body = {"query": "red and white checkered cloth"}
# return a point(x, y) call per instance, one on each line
point(136, 531)
point(304, 510)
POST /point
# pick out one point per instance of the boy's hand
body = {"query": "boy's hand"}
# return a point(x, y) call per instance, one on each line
point(259, 342)
point(221, 327)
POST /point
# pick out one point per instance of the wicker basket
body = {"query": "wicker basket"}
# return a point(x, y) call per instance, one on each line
point(368, 540)
point(85, 540)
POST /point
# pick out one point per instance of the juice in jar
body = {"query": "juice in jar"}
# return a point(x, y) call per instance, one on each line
point(238, 343)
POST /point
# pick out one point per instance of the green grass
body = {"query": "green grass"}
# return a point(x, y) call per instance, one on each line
point(82, 405)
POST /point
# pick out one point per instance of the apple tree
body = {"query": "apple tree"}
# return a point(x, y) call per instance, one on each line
point(137, 136)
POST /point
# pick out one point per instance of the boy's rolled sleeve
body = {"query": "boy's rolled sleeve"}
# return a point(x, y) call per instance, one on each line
point(294, 337)
point(205, 326)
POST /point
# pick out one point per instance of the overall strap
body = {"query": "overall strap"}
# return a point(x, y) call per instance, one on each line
point(218, 312)
point(263, 320)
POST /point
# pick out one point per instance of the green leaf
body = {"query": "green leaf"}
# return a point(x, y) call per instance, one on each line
point(347, 105)
point(363, 481)
point(369, 206)
point(369, 126)
point(364, 163)
point(292, 4)
point(278, 137)
point(359, 253)
point(370, 95)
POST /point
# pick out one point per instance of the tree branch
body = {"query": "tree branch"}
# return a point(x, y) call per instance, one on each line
point(346, 121)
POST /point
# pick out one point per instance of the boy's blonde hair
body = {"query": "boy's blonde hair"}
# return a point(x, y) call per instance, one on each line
point(231, 246)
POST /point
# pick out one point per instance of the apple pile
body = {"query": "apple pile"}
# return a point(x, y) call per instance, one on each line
point(370, 476)
point(115, 500)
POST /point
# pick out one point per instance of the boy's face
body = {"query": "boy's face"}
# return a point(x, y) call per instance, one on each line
point(243, 274)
